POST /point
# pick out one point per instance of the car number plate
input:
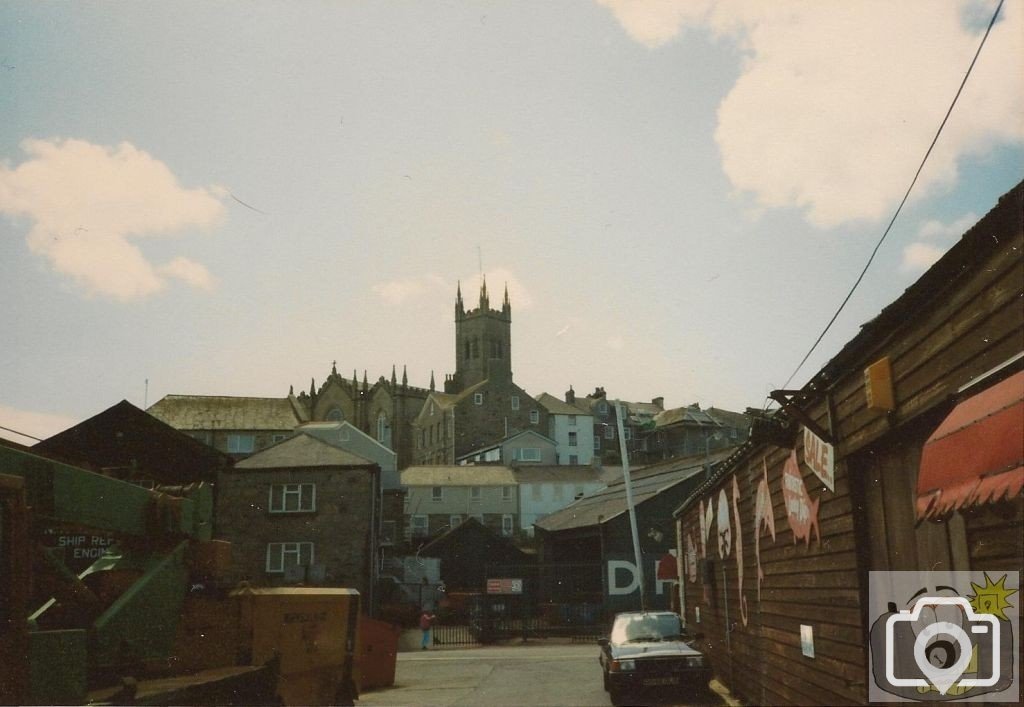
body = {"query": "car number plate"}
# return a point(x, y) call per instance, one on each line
point(651, 682)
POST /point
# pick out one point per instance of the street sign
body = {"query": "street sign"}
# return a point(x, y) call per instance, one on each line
point(505, 586)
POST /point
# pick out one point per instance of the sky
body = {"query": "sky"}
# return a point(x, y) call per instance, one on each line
point(226, 198)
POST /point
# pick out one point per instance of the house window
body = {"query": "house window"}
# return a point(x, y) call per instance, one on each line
point(506, 493)
point(240, 444)
point(437, 493)
point(643, 444)
point(507, 526)
point(455, 521)
point(534, 417)
point(602, 408)
point(419, 526)
point(609, 432)
point(627, 434)
point(573, 460)
point(278, 438)
point(572, 420)
point(597, 443)
point(292, 498)
point(528, 454)
point(572, 439)
point(515, 402)
point(478, 398)
point(280, 556)
point(474, 494)
point(335, 415)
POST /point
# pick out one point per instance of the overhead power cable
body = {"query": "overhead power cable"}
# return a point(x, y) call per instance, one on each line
point(8, 429)
point(902, 202)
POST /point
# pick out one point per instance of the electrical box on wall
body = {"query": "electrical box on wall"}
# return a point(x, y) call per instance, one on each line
point(878, 386)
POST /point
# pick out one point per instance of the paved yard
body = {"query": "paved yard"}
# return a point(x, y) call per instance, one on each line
point(498, 675)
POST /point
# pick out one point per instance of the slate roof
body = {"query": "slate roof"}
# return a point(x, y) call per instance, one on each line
point(123, 436)
point(610, 502)
point(223, 412)
point(302, 451)
point(557, 406)
point(691, 414)
point(577, 473)
point(442, 475)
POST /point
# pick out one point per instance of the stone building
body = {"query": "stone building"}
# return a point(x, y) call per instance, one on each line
point(302, 511)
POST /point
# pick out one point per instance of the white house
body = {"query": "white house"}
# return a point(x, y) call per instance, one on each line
point(571, 428)
point(546, 489)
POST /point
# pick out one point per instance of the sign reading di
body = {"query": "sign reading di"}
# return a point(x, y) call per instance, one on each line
point(622, 584)
point(820, 457)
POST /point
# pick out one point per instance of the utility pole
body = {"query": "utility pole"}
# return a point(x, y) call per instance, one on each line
point(619, 411)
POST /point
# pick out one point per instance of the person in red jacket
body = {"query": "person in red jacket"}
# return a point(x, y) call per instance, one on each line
point(426, 621)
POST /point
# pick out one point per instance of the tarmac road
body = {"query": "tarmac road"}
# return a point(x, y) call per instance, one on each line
point(495, 676)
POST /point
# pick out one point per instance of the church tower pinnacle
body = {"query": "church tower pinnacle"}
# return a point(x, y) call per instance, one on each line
point(483, 341)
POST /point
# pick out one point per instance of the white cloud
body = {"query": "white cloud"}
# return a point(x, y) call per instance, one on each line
point(397, 292)
point(934, 239)
point(936, 230)
point(88, 202)
point(920, 256)
point(656, 22)
point(38, 424)
point(837, 102)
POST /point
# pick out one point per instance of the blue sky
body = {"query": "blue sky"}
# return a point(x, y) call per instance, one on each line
point(679, 194)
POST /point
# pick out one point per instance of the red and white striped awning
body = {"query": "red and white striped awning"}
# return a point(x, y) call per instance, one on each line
point(976, 455)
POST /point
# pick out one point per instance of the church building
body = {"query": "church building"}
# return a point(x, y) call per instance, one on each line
point(480, 404)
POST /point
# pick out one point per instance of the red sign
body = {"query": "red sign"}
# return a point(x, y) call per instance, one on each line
point(802, 512)
point(504, 586)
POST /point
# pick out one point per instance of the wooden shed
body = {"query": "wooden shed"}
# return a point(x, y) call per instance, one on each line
point(904, 452)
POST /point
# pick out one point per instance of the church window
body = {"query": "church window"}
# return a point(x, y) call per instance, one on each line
point(383, 429)
point(335, 414)
point(476, 348)
point(467, 348)
point(501, 349)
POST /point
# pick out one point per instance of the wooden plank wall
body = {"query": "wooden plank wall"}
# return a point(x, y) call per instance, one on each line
point(958, 327)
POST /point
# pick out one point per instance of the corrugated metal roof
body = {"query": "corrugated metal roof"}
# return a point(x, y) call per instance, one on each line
point(302, 451)
point(482, 475)
point(222, 412)
point(608, 503)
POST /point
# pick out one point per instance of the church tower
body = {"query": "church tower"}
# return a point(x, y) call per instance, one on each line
point(483, 342)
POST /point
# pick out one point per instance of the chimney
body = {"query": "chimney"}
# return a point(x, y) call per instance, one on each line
point(570, 396)
point(658, 402)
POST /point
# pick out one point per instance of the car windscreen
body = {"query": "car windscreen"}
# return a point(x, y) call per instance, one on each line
point(646, 627)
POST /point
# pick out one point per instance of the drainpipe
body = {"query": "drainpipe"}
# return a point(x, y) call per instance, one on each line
point(632, 510)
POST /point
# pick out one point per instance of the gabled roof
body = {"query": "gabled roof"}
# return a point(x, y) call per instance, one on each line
point(302, 450)
point(485, 475)
point(125, 437)
point(610, 502)
point(224, 412)
point(555, 406)
point(333, 432)
point(450, 539)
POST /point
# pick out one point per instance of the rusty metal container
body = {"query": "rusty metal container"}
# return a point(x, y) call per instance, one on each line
point(312, 632)
point(378, 652)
